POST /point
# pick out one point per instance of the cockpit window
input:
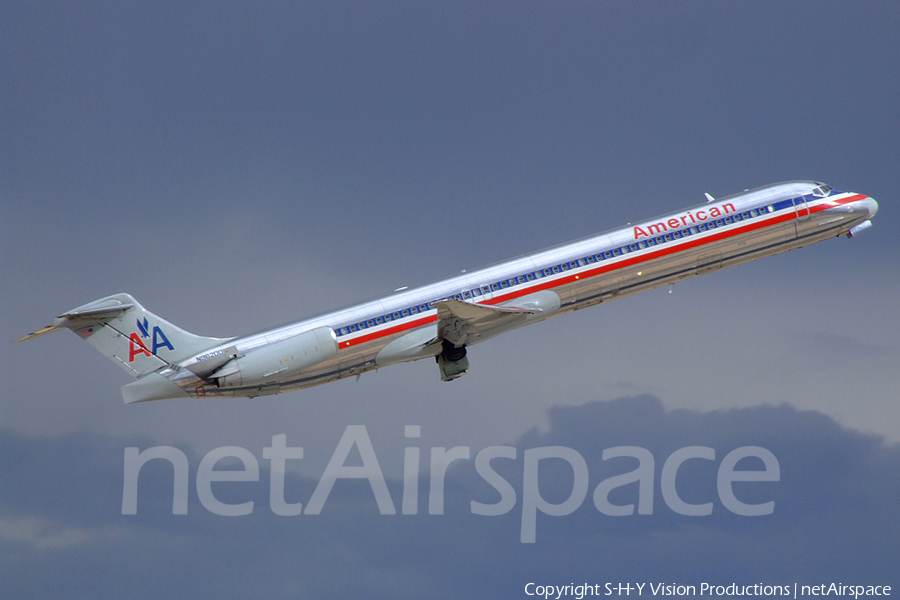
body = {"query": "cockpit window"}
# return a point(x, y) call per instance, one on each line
point(822, 191)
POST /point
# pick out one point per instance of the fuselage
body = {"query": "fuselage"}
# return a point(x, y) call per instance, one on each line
point(405, 326)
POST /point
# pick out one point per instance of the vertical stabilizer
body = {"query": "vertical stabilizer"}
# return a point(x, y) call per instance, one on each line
point(131, 336)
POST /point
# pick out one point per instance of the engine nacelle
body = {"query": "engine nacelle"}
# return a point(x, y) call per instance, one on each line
point(276, 361)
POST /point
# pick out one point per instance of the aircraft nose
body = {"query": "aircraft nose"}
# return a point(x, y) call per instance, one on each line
point(872, 206)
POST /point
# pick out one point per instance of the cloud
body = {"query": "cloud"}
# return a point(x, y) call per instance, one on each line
point(237, 171)
point(823, 344)
point(833, 517)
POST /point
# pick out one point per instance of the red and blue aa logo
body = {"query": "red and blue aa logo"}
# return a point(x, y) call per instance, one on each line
point(156, 336)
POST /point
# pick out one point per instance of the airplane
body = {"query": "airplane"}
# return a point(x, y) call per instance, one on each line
point(442, 319)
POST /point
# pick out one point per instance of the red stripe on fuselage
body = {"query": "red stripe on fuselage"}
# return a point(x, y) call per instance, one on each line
point(368, 337)
point(621, 264)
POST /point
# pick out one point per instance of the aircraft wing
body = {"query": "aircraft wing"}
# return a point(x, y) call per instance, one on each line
point(462, 323)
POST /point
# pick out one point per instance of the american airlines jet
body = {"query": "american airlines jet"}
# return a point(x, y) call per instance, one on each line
point(441, 319)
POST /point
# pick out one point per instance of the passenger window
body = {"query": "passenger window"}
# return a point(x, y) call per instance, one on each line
point(495, 287)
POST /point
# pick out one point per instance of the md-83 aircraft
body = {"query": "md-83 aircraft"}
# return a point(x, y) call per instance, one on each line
point(441, 319)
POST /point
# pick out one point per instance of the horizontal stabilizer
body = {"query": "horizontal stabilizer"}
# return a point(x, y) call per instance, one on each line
point(39, 333)
point(91, 316)
point(85, 316)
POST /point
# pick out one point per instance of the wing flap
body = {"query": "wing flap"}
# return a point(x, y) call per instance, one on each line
point(462, 323)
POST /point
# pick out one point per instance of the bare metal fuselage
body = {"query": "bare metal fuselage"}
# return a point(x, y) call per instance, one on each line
point(441, 319)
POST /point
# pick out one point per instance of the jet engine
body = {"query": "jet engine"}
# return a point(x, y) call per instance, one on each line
point(452, 361)
point(276, 361)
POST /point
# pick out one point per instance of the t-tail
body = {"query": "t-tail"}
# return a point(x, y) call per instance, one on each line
point(128, 334)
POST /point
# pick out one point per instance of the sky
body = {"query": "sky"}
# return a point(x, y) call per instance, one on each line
point(238, 166)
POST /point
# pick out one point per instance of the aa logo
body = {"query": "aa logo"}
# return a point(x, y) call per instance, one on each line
point(156, 336)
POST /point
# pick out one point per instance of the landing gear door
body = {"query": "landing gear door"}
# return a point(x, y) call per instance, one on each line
point(801, 208)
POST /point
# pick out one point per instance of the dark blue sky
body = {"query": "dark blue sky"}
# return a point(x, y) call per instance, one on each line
point(236, 166)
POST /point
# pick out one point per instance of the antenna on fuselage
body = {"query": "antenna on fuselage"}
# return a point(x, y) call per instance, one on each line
point(709, 197)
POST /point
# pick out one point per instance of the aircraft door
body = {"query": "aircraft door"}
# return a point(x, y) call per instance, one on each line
point(801, 208)
point(487, 293)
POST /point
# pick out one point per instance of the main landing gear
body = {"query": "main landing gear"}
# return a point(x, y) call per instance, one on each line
point(452, 361)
